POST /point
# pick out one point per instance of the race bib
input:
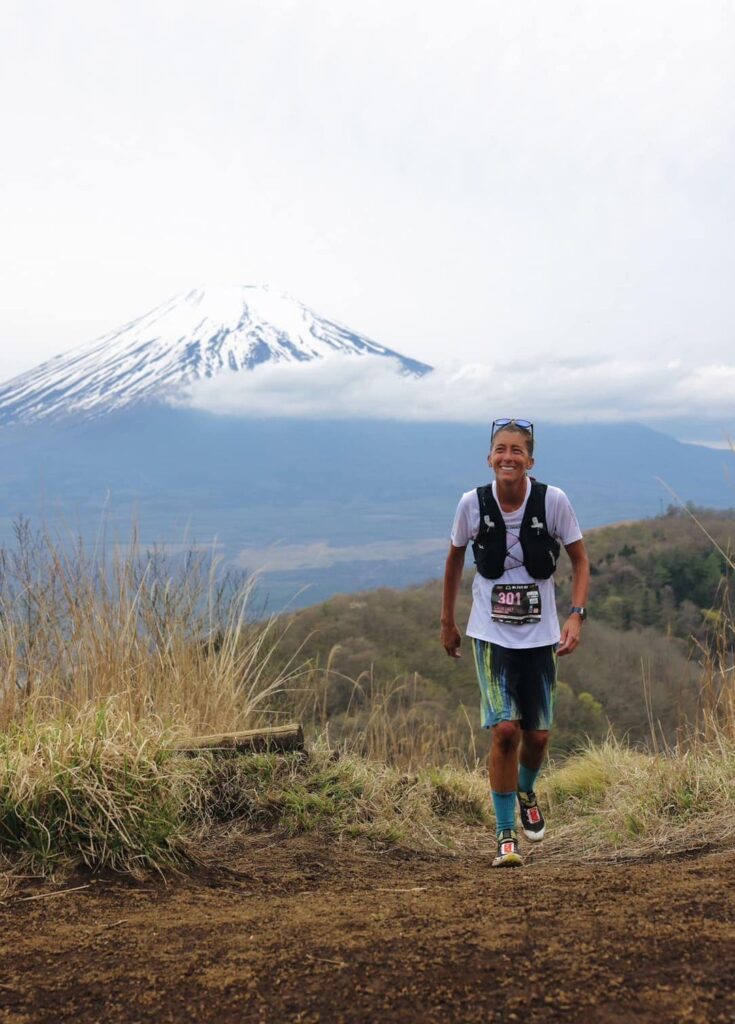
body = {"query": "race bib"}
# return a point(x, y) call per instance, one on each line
point(516, 603)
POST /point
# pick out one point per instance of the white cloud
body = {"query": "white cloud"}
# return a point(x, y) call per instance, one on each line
point(555, 390)
point(723, 446)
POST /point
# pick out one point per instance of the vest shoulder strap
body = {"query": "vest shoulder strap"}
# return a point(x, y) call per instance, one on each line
point(536, 505)
point(537, 499)
point(489, 508)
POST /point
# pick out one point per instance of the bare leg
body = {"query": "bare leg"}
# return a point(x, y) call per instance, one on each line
point(502, 761)
point(533, 748)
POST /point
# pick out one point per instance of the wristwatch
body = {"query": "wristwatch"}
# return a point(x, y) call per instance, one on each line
point(582, 612)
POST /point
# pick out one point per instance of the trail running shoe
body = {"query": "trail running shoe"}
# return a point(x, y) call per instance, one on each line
point(508, 855)
point(532, 820)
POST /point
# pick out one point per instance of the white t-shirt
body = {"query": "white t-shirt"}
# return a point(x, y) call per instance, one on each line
point(561, 523)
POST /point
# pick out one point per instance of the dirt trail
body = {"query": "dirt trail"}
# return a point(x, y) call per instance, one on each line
point(305, 931)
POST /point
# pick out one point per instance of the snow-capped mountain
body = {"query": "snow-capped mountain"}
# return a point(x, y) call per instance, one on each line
point(204, 332)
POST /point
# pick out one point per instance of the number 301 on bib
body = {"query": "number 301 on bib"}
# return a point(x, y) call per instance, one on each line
point(516, 603)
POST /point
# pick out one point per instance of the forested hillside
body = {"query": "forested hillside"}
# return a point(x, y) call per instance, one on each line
point(656, 588)
point(661, 572)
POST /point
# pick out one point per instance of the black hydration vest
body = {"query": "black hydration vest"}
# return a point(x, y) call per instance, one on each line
point(540, 550)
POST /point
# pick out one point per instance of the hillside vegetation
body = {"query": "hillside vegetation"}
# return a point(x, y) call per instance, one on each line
point(108, 661)
point(656, 589)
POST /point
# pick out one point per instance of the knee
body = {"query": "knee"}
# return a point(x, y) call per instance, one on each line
point(507, 735)
point(536, 739)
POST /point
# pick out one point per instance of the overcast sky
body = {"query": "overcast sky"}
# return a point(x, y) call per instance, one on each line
point(474, 181)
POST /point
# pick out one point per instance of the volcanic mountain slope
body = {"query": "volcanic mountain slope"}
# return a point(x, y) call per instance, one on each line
point(204, 332)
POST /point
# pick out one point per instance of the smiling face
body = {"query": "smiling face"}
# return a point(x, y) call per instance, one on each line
point(510, 458)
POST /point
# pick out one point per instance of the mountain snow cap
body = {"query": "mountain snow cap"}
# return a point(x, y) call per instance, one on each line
point(195, 335)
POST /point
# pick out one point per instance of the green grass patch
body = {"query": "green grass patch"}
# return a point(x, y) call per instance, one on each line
point(105, 791)
point(340, 793)
point(95, 789)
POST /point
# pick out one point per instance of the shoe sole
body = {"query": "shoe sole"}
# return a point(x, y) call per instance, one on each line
point(510, 860)
point(534, 837)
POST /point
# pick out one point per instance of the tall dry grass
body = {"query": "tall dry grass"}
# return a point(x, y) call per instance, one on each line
point(107, 659)
point(163, 637)
point(388, 721)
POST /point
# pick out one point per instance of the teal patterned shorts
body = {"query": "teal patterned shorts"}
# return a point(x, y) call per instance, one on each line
point(516, 684)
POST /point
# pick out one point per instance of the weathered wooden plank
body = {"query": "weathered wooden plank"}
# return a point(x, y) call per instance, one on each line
point(275, 737)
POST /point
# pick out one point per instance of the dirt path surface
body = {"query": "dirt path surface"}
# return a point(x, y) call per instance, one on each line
point(307, 931)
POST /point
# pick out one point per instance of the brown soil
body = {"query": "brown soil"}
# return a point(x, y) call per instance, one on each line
point(302, 930)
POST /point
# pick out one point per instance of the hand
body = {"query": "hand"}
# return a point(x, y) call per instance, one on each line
point(451, 640)
point(571, 636)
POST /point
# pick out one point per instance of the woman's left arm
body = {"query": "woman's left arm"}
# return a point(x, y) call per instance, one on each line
point(571, 631)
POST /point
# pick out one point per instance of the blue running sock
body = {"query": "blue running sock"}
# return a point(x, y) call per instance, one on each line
point(505, 810)
point(527, 778)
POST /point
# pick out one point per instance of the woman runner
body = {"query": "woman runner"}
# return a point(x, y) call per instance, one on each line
point(516, 526)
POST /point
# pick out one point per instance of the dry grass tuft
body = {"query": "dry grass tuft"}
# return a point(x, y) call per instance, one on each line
point(611, 801)
point(96, 788)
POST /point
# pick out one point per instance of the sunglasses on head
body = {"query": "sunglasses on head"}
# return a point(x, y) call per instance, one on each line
point(499, 424)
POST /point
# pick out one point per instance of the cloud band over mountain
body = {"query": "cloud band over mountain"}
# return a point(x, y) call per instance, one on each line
point(555, 390)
